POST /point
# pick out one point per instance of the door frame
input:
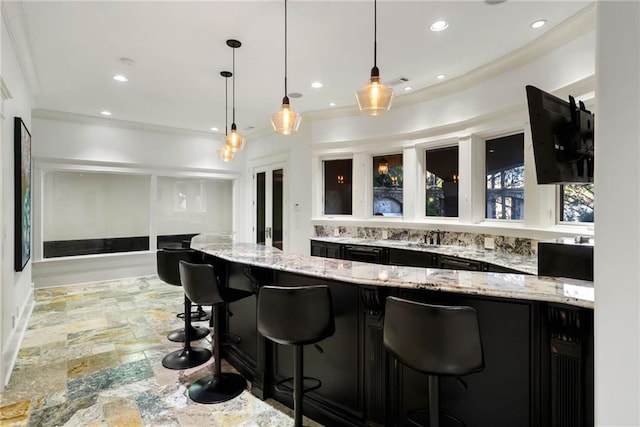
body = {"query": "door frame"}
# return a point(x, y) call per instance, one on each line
point(268, 164)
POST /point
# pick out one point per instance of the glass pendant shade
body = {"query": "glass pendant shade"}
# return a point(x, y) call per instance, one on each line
point(375, 98)
point(285, 121)
point(225, 153)
point(234, 140)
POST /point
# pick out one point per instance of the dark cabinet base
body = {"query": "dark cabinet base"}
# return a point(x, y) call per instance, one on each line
point(362, 385)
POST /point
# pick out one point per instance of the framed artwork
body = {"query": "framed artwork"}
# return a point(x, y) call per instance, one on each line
point(22, 168)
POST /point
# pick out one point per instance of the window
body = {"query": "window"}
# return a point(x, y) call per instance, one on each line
point(442, 182)
point(505, 177)
point(338, 187)
point(576, 203)
point(387, 185)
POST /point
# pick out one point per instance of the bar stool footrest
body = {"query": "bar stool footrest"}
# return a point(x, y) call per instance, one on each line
point(308, 384)
point(230, 339)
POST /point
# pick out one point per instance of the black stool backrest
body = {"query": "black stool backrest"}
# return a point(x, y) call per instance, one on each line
point(167, 263)
point(433, 339)
point(200, 283)
point(295, 315)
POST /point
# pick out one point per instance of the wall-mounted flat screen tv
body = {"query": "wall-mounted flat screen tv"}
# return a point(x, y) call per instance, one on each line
point(562, 136)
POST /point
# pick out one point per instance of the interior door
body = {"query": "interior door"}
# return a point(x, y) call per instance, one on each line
point(269, 205)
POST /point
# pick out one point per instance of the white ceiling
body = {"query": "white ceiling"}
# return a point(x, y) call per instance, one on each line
point(179, 50)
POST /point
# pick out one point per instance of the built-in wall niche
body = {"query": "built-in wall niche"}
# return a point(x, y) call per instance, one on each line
point(338, 198)
point(387, 185)
point(94, 212)
point(441, 184)
point(187, 206)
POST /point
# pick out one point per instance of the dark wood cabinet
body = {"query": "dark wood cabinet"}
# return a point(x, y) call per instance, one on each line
point(403, 257)
point(326, 249)
point(372, 254)
point(412, 258)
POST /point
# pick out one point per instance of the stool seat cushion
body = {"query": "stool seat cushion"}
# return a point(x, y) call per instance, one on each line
point(295, 315)
point(433, 339)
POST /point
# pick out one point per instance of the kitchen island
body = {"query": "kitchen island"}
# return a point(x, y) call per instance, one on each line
point(537, 335)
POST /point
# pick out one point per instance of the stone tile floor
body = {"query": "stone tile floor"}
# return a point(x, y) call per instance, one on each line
point(92, 357)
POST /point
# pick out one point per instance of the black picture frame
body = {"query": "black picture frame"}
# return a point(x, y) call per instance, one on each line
point(22, 191)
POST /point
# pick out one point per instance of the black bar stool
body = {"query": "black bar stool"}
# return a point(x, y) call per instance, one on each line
point(296, 316)
point(167, 265)
point(435, 340)
point(202, 286)
point(168, 271)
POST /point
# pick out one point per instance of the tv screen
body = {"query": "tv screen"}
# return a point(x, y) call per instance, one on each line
point(562, 136)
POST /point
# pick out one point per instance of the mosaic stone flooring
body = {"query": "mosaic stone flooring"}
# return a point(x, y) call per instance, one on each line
point(92, 357)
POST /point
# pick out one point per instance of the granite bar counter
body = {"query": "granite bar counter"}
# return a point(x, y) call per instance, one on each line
point(578, 293)
point(537, 335)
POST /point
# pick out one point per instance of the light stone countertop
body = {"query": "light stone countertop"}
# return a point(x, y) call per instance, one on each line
point(573, 292)
point(523, 263)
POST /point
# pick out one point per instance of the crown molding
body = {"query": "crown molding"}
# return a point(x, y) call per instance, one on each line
point(42, 113)
point(14, 17)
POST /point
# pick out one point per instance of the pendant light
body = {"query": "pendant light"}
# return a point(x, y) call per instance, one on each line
point(375, 98)
point(234, 140)
point(225, 152)
point(285, 121)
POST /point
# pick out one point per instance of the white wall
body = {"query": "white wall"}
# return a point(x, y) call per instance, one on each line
point(617, 183)
point(89, 145)
point(17, 289)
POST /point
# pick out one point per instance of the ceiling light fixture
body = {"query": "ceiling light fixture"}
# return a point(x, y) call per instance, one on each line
point(439, 26)
point(105, 113)
point(316, 85)
point(234, 140)
point(375, 98)
point(539, 23)
point(120, 78)
point(332, 104)
point(408, 88)
point(226, 153)
point(440, 76)
point(285, 121)
point(215, 129)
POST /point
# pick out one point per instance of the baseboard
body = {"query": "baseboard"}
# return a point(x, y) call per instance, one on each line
point(10, 352)
point(92, 268)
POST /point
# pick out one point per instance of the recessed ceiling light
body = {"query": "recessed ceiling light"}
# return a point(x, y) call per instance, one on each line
point(316, 85)
point(120, 78)
point(215, 129)
point(439, 26)
point(332, 104)
point(539, 23)
point(105, 113)
point(408, 88)
point(440, 76)
point(295, 95)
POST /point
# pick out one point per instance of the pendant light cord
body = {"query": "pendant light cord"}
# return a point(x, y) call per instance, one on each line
point(234, 85)
point(285, 48)
point(375, 33)
point(226, 105)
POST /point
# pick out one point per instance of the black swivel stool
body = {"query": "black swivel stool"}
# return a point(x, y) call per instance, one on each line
point(168, 270)
point(167, 265)
point(436, 340)
point(202, 286)
point(296, 316)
